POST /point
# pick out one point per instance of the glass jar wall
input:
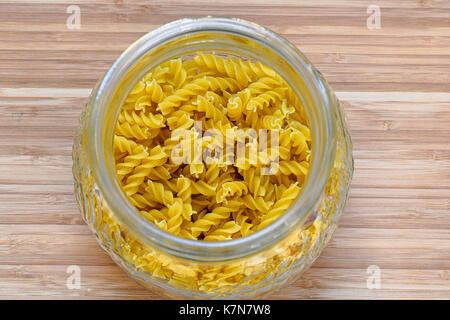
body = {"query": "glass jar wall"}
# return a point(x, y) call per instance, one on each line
point(249, 267)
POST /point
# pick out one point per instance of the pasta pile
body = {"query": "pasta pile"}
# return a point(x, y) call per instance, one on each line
point(211, 194)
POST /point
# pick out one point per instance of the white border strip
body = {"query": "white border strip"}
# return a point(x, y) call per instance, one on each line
point(342, 95)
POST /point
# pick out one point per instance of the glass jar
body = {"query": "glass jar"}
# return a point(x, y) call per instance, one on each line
point(249, 267)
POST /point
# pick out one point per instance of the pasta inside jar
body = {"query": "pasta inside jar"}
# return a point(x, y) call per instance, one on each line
point(212, 160)
point(211, 148)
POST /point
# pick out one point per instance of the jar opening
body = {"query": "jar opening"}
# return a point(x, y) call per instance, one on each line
point(231, 36)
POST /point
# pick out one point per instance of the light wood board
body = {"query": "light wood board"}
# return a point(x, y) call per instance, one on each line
point(394, 85)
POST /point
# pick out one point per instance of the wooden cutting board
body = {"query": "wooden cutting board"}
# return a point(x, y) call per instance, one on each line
point(394, 84)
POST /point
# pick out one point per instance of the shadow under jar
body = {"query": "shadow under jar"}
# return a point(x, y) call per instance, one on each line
point(253, 266)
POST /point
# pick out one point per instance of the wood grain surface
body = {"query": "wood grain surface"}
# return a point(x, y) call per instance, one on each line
point(394, 85)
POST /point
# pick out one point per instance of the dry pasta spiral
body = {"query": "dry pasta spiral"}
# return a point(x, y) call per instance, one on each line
point(190, 153)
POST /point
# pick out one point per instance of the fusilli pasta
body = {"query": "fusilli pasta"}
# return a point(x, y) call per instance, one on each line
point(189, 150)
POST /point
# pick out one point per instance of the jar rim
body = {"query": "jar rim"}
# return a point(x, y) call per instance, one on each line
point(322, 156)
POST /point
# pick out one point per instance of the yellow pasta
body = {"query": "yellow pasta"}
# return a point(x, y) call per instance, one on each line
point(211, 148)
